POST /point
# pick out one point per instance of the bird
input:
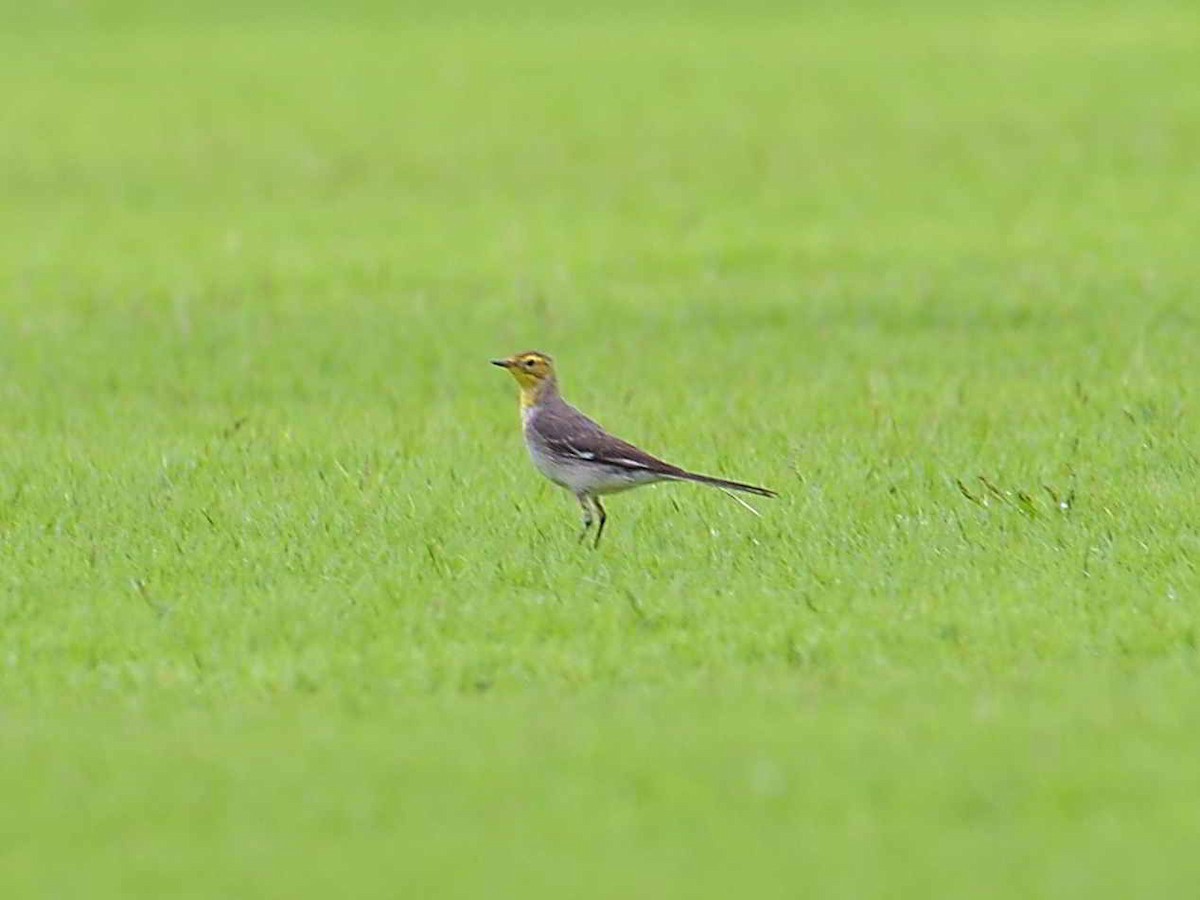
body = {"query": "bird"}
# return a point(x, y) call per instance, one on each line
point(576, 453)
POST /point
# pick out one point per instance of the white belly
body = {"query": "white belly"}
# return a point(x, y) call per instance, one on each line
point(589, 478)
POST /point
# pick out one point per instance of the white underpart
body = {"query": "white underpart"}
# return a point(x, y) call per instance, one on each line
point(589, 477)
point(584, 476)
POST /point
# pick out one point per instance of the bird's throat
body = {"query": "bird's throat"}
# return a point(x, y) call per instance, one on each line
point(536, 393)
point(531, 396)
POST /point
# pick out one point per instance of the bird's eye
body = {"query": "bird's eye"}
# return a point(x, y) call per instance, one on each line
point(529, 363)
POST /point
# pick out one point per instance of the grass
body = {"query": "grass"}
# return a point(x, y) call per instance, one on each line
point(286, 612)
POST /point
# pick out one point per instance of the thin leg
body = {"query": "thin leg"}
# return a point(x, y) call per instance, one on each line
point(587, 515)
point(603, 519)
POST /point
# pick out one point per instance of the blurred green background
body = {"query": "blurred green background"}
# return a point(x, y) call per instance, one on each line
point(285, 610)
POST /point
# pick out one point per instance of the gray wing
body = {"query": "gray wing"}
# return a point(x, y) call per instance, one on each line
point(569, 433)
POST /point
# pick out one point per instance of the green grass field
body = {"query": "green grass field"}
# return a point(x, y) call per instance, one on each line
point(285, 610)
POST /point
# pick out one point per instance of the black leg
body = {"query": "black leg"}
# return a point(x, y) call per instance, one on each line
point(587, 515)
point(603, 519)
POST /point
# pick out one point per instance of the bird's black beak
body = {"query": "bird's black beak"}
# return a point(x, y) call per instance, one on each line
point(502, 363)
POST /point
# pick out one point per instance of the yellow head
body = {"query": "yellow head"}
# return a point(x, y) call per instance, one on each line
point(533, 371)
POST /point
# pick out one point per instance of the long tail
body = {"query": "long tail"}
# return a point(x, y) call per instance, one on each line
point(730, 485)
